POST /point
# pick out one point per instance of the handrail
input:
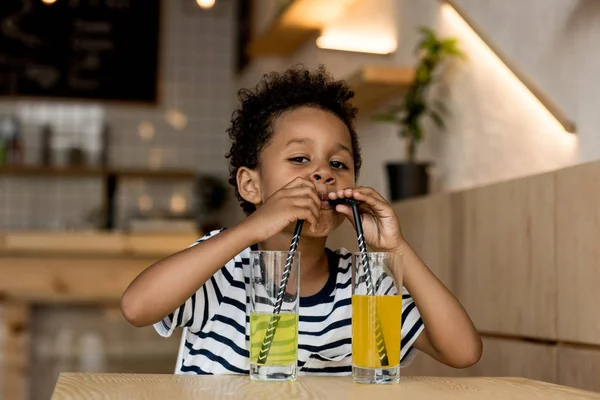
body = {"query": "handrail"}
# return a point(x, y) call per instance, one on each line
point(552, 107)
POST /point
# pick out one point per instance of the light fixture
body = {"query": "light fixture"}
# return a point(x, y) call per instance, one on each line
point(177, 204)
point(177, 119)
point(146, 131)
point(48, 1)
point(205, 3)
point(374, 44)
point(145, 203)
point(471, 37)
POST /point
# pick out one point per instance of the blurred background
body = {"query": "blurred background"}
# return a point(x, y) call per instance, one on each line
point(478, 120)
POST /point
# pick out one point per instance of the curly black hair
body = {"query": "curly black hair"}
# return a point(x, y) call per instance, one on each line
point(252, 123)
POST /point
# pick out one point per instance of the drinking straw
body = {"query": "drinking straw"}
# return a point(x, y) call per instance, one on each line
point(270, 332)
point(381, 349)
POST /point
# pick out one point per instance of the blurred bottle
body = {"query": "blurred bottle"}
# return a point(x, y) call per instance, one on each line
point(105, 146)
point(92, 353)
point(2, 151)
point(12, 142)
point(46, 149)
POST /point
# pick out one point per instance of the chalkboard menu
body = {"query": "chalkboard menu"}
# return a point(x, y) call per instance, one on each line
point(92, 49)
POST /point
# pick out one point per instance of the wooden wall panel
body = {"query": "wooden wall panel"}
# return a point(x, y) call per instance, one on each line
point(14, 351)
point(501, 357)
point(427, 226)
point(578, 253)
point(579, 367)
point(505, 266)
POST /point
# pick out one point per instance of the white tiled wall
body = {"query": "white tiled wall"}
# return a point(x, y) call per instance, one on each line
point(186, 130)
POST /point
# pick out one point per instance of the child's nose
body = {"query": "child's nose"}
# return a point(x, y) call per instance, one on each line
point(322, 176)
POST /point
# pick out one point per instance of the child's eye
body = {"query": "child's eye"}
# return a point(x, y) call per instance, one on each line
point(338, 165)
point(299, 160)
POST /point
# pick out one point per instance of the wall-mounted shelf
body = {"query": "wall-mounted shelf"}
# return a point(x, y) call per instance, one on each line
point(110, 179)
point(297, 23)
point(374, 84)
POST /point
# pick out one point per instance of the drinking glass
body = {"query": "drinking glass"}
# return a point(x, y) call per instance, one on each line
point(376, 317)
point(274, 315)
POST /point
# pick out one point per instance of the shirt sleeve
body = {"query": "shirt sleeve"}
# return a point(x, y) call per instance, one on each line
point(412, 326)
point(201, 306)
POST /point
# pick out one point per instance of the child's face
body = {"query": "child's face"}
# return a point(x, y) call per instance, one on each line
point(313, 144)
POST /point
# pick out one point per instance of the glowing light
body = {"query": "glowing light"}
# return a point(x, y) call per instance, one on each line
point(48, 1)
point(178, 204)
point(145, 203)
point(146, 131)
point(177, 119)
point(359, 43)
point(205, 3)
point(524, 98)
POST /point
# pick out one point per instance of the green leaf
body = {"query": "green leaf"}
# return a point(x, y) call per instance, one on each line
point(441, 107)
point(428, 33)
point(437, 119)
point(420, 45)
point(422, 74)
point(449, 44)
point(417, 132)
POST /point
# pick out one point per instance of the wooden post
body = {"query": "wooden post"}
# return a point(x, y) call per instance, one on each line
point(14, 351)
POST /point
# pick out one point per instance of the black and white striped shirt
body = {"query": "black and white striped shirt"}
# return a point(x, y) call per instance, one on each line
point(218, 322)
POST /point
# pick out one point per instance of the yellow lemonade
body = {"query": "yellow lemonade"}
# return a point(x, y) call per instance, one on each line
point(284, 348)
point(366, 310)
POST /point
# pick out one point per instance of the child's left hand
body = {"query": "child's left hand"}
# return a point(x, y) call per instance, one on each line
point(380, 225)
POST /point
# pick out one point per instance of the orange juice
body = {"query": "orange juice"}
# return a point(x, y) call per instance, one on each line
point(366, 310)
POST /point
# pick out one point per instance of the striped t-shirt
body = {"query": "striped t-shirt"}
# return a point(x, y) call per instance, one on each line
point(217, 322)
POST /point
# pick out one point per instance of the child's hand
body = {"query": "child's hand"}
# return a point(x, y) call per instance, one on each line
point(380, 225)
point(296, 200)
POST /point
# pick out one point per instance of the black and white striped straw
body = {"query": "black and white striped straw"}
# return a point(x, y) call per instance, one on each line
point(381, 349)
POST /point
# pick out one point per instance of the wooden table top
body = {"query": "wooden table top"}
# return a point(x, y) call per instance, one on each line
point(149, 386)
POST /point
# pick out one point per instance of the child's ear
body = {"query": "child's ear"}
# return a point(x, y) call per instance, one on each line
point(248, 185)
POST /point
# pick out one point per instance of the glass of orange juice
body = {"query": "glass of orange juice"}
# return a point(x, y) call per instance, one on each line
point(376, 317)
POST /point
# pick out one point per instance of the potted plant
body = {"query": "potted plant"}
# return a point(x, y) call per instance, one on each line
point(410, 178)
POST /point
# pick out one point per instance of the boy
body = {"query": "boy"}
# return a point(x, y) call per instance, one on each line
point(294, 147)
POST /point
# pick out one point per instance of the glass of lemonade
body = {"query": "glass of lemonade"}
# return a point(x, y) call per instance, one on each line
point(376, 317)
point(273, 335)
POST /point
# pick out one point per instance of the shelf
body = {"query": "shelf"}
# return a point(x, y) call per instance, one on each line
point(84, 172)
point(296, 24)
point(110, 179)
point(374, 84)
point(92, 243)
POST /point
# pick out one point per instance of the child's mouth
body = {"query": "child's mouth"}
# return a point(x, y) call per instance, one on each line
point(325, 204)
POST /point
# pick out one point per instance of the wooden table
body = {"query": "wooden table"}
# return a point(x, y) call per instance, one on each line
point(149, 387)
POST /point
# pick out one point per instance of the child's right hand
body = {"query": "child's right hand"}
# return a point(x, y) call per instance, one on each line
point(296, 200)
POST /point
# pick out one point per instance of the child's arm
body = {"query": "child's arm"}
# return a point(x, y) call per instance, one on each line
point(449, 334)
point(168, 283)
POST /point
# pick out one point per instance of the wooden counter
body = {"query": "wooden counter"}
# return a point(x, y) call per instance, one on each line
point(148, 387)
point(78, 267)
point(91, 243)
point(72, 268)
